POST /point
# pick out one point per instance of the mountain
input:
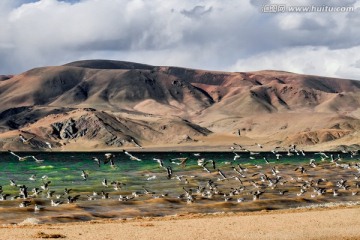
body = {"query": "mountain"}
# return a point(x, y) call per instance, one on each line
point(105, 104)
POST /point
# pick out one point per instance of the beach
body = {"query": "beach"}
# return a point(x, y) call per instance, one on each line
point(318, 223)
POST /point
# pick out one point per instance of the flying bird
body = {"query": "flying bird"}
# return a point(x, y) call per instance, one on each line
point(132, 157)
point(25, 140)
point(20, 158)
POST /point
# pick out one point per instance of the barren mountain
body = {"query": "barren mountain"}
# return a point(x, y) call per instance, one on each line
point(102, 104)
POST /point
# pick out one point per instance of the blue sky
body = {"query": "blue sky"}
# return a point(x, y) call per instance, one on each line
point(213, 34)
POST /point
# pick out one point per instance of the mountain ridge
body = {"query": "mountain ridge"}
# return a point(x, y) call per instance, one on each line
point(193, 106)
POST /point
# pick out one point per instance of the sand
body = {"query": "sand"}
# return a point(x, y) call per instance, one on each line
point(329, 223)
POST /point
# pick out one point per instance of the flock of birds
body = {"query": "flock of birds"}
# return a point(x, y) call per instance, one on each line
point(242, 178)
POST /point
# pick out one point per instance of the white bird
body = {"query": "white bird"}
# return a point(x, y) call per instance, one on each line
point(161, 163)
point(48, 145)
point(84, 175)
point(20, 158)
point(236, 156)
point(32, 177)
point(132, 157)
point(37, 160)
point(25, 140)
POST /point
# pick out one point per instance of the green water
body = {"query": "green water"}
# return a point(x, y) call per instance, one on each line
point(64, 171)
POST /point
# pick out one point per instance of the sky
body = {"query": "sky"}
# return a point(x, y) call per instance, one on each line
point(225, 35)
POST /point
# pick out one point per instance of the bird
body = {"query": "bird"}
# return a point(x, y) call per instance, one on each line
point(105, 182)
point(132, 157)
point(169, 172)
point(32, 177)
point(182, 161)
point(37, 160)
point(25, 140)
point(37, 208)
point(24, 204)
point(301, 169)
point(48, 145)
point(213, 164)
point(21, 159)
point(109, 157)
point(96, 160)
point(136, 144)
point(237, 156)
point(222, 175)
point(84, 175)
point(55, 203)
point(161, 163)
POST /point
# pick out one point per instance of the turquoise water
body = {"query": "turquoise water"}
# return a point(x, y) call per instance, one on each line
point(64, 171)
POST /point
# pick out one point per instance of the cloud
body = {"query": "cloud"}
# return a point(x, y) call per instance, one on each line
point(307, 60)
point(196, 12)
point(209, 34)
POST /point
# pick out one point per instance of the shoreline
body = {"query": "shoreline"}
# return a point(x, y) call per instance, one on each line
point(341, 222)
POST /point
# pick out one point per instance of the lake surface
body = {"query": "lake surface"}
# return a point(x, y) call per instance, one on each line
point(146, 189)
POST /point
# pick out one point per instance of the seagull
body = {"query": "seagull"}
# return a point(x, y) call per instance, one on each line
point(20, 158)
point(13, 183)
point(96, 160)
point(45, 185)
point(84, 175)
point(236, 156)
point(132, 157)
point(55, 203)
point(37, 160)
point(182, 161)
point(32, 177)
point(161, 163)
point(222, 175)
point(136, 144)
point(24, 204)
point(25, 140)
point(169, 172)
point(105, 182)
point(37, 208)
point(109, 157)
point(312, 163)
point(210, 161)
point(301, 169)
point(48, 145)
point(256, 195)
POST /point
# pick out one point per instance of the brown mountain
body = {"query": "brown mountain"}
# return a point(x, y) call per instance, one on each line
point(103, 104)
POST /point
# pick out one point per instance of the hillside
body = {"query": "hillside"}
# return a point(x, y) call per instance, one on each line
point(103, 104)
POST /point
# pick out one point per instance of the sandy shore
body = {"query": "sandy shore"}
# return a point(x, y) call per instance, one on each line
point(331, 223)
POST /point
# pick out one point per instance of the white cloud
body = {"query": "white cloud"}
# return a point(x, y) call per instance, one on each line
point(308, 60)
point(211, 34)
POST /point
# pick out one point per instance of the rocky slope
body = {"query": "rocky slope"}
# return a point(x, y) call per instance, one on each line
point(101, 104)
